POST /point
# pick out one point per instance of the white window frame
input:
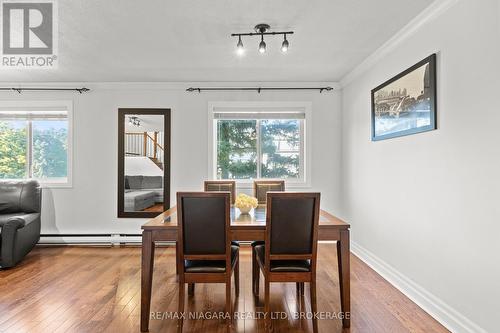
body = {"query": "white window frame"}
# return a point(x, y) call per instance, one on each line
point(305, 159)
point(41, 106)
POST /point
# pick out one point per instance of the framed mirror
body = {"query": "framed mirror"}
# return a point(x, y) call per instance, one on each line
point(143, 162)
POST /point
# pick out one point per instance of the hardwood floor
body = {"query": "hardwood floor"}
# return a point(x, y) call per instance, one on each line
point(155, 208)
point(97, 289)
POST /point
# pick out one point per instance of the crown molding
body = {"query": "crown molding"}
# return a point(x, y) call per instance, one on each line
point(169, 85)
point(436, 9)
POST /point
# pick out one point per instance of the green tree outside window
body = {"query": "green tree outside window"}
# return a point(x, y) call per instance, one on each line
point(49, 147)
point(267, 148)
point(13, 150)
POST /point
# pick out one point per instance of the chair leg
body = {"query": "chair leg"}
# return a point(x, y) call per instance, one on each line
point(257, 282)
point(237, 277)
point(314, 305)
point(180, 310)
point(254, 270)
point(228, 305)
point(191, 289)
point(255, 274)
point(176, 258)
point(300, 288)
point(267, 313)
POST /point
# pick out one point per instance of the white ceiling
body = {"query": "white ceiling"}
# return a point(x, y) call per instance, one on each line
point(189, 40)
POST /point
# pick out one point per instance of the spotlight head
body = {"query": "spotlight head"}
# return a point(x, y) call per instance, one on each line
point(284, 46)
point(239, 47)
point(262, 46)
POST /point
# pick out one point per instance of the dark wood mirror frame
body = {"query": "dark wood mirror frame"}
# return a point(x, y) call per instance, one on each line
point(122, 112)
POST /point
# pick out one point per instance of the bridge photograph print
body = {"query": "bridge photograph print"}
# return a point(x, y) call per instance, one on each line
point(406, 104)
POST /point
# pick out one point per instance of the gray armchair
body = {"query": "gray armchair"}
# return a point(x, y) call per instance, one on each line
point(20, 208)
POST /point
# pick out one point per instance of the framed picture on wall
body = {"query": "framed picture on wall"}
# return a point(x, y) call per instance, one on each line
point(406, 104)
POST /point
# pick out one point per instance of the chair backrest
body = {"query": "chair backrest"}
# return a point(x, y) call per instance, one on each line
point(20, 196)
point(203, 220)
point(261, 187)
point(292, 226)
point(221, 186)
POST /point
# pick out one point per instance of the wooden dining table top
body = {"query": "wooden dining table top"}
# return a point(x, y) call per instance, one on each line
point(256, 219)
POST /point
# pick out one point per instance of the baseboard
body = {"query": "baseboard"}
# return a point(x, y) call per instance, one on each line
point(104, 239)
point(89, 239)
point(98, 239)
point(439, 310)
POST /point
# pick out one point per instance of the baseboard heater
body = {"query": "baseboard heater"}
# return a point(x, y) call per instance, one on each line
point(97, 239)
point(90, 239)
point(104, 239)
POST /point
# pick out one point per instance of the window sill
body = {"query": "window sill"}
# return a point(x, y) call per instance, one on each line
point(47, 184)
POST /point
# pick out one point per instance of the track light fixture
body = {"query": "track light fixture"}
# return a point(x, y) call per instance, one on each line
point(261, 30)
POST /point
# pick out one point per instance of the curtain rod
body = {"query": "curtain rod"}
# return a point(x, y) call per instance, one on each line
point(20, 90)
point(259, 89)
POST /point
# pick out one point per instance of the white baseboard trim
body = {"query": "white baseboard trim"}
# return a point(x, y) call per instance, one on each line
point(110, 240)
point(439, 310)
point(89, 240)
point(105, 239)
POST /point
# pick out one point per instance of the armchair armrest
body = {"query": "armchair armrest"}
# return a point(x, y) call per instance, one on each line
point(19, 235)
point(21, 220)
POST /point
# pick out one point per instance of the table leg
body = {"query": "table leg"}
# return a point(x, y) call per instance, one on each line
point(343, 254)
point(148, 255)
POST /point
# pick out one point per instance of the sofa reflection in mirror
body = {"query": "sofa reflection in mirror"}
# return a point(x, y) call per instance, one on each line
point(143, 193)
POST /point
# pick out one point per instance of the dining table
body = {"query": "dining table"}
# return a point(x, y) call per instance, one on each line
point(244, 227)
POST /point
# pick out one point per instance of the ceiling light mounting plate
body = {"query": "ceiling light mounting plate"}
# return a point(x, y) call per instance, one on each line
point(262, 28)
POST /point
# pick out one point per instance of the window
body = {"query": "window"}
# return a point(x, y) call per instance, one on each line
point(258, 143)
point(35, 143)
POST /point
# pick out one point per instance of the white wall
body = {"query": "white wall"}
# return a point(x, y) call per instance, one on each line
point(428, 205)
point(140, 165)
point(90, 205)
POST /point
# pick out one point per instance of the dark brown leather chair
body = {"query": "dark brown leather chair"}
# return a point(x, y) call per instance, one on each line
point(290, 249)
point(261, 187)
point(218, 186)
point(221, 186)
point(205, 251)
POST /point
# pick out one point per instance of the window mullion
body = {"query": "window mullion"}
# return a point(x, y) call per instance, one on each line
point(29, 139)
point(258, 130)
point(302, 151)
